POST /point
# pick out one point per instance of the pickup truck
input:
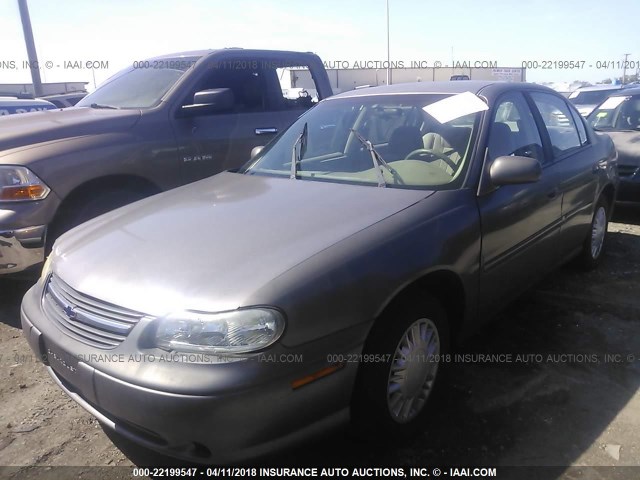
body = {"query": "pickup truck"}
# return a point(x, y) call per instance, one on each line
point(158, 124)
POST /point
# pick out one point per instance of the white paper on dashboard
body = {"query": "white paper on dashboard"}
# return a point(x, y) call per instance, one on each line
point(455, 106)
point(611, 103)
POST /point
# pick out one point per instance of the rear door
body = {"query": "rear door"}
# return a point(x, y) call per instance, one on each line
point(520, 223)
point(213, 142)
point(577, 165)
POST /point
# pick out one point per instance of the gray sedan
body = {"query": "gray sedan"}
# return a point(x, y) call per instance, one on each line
point(619, 117)
point(323, 281)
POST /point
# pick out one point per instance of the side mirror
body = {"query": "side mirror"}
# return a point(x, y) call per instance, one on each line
point(210, 101)
point(512, 170)
point(256, 150)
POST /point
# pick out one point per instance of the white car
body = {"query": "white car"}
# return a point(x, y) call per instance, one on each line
point(11, 105)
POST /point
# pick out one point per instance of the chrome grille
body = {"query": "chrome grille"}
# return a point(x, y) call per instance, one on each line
point(627, 170)
point(85, 318)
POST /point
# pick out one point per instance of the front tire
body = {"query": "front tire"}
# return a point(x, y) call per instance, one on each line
point(393, 391)
point(595, 243)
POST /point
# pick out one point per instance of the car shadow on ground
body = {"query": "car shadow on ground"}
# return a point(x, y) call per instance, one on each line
point(573, 334)
point(11, 293)
point(628, 213)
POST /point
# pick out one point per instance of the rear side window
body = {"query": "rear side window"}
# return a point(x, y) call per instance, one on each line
point(582, 132)
point(558, 119)
point(298, 87)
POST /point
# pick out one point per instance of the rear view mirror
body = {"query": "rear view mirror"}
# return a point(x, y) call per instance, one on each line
point(210, 101)
point(511, 170)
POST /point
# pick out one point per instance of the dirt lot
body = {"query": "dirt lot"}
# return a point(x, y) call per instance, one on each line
point(571, 405)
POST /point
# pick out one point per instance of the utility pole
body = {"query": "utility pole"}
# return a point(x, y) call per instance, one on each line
point(624, 69)
point(31, 47)
point(388, 49)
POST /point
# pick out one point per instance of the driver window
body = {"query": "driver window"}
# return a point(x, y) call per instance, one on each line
point(251, 82)
point(513, 130)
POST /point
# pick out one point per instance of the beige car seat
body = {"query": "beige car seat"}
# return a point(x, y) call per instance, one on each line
point(453, 146)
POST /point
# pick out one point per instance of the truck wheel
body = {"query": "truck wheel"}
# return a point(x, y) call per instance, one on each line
point(85, 208)
point(595, 243)
point(393, 390)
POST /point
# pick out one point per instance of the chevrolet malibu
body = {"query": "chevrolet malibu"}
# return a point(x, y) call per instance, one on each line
point(323, 281)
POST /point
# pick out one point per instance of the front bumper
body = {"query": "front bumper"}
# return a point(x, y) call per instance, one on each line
point(23, 230)
point(21, 248)
point(220, 418)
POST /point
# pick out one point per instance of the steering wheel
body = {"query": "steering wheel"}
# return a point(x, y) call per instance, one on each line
point(430, 156)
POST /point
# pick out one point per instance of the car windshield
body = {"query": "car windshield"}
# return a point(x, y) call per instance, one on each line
point(399, 141)
point(617, 113)
point(592, 97)
point(140, 86)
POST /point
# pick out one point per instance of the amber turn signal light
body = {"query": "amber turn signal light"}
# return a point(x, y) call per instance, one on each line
point(301, 382)
point(28, 192)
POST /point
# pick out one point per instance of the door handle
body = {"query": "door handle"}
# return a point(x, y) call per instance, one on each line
point(266, 131)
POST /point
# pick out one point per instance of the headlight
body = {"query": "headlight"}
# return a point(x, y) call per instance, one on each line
point(19, 184)
point(239, 331)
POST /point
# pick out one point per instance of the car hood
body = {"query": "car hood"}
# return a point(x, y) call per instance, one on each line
point(210, 245)
point(627, 145)
point(38, 127)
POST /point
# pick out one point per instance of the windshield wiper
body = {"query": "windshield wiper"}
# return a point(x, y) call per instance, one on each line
point(377, 159)
point(97, 105)
point(296, 155)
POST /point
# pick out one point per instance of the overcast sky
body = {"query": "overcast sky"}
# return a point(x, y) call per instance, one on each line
point(506, 31)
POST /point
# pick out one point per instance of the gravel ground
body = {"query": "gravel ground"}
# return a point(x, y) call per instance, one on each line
point(562, 402)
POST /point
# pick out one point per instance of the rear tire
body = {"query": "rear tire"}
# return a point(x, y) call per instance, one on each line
point(394, 389)
point(595, 243)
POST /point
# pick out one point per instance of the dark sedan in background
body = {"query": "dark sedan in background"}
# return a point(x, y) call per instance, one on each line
point(65, 100)
point(619, 117)
point(325, 279)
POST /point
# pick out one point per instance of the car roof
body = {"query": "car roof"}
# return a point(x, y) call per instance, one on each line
point(595, 88)
point(625, 92)
point(488, 88)
point(202, 53)
point(190, 53)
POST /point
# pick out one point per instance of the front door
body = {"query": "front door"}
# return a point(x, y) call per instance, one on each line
point(520, 223)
